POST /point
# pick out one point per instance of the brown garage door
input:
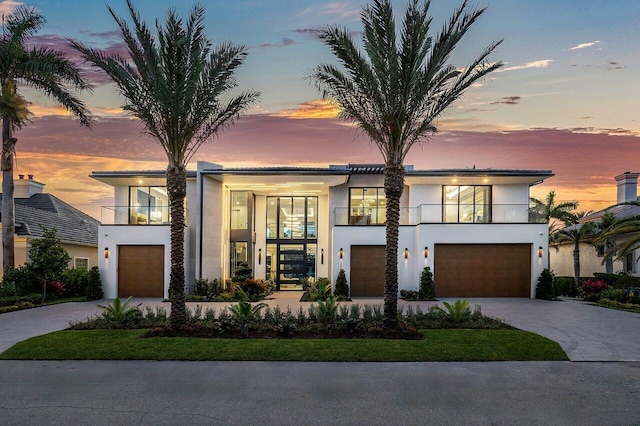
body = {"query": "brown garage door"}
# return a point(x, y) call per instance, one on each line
point(367, 271)
point(141, 271)
point(482, 270)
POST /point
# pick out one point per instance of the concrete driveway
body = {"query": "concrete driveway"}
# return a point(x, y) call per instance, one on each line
point(585, 332)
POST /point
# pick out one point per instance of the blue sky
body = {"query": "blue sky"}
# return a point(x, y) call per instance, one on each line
point(567, 98)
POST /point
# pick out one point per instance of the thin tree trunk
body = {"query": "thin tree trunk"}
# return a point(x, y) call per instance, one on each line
point(608, 263)
point(576, 266)
point(177, 190)
point(8, 206)
point(393, 187)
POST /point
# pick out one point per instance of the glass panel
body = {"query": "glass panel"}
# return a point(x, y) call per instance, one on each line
point(450, 204)
point(158, 205)
point(382, 207)
point(139, 205)
point(238, 253)
point(482, 209)
point(312, 217)
point(272, 217)
point(285, 217)
point(311, 262)
point(239, 210)
point(356, 203)
point(466, 204)
point(370, 202)
point(270, 261)
point(291, 266)
point(297, 218)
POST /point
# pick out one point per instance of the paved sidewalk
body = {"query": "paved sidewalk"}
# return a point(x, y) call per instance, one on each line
point(585, 332)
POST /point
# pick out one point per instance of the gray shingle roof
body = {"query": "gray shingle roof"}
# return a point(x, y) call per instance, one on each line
point(73, 226)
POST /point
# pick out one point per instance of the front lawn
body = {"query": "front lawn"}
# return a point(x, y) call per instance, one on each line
point(438, 345)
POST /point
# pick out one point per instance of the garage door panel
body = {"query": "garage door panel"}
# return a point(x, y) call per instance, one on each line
point(367, 271)
point(141, 271)
point(482, 270)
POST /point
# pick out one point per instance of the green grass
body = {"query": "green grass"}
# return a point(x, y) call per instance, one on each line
point(438, 345)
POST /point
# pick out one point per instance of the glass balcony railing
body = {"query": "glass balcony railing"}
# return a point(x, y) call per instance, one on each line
point(450, 213)
point(135, 215)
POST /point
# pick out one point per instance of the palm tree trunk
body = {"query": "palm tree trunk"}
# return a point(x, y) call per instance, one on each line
point(177, 190)
point(608, 263)
point(576, 265)
point(8, 206)
point(393, 187)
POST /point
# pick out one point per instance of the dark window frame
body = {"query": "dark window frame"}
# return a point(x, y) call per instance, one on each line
point(488, 205)
point(375, 220)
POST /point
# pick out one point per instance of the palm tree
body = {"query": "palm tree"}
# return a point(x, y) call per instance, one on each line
point(606, 224)
point(547, 209)
point(630, 226)
point(173, 86)
point(43, 69)
point(395, 91)
point(576, 234)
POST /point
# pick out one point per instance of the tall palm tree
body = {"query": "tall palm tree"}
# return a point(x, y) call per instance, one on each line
point(44, 69)
point(602, 228)
point(547, 209)
point(395, 91)
point(173, 85)
point(576, 233)
point(629, 226)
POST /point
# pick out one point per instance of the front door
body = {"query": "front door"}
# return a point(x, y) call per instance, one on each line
point(291, 266)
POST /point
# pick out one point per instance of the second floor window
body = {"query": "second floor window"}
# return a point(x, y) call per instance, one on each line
point(367, 206)
point(148, 205)
point(466, 204)
point(239, 210)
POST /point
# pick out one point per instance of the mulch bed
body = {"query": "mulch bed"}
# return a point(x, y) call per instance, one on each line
point(199, 331)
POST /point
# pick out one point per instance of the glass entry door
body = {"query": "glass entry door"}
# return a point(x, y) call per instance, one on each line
point(291, 266)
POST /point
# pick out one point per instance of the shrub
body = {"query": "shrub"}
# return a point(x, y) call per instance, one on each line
point(121, 314)
point(427, 285)
point(626, 280)
point(544, 288)
point(327, 310)
point(8, 289)
point(342, 287)
point(252, 287)
point(24, 278)
point(206, 288)
point(591, 289)
point(458, 311)
point(410, 294)
point(565, 286)
point(94, 285)
point(244, 272)
point(75, 282)
point(611, 293)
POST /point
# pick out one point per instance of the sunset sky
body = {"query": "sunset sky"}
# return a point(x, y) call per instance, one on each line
point(567, 99)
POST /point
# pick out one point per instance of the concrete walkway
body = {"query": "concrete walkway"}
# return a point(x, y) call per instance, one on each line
point(585, 332)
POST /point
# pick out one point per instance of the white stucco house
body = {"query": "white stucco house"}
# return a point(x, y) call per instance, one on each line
point(471, 226)
point(592, 256)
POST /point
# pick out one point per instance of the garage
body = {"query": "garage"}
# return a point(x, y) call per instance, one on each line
point(367, 271)
point(141, 271)
point(482, 270)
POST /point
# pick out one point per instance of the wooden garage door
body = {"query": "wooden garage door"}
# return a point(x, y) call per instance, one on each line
point(482, 270)
point(367, 271)
point(141, 271)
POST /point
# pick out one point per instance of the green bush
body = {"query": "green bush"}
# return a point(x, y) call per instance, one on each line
point(34, 298)
point(244, 272)
point(252, 287)
point(342, 287)
point(24, 278)
point(566, 286)
point(612, 293)
point(208, 289)
point(427, 285)
point(94, 285)
point(544, 288)
point(75, 282)
point(410, 294)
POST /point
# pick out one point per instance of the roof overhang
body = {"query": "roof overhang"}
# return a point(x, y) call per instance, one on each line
point(477, 177)
point(135, 177)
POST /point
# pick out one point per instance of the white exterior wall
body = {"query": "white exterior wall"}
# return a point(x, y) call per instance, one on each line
point(112, 236)
point(415, 238)
point(215, 232)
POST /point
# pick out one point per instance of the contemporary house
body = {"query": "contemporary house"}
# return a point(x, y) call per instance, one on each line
point(592, 256)
point(77, 231)
point(471, 226)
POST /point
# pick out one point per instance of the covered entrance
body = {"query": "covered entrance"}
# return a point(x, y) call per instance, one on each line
point(367, 271)
point(141, 271)
point(289, 264)
point(482, 270)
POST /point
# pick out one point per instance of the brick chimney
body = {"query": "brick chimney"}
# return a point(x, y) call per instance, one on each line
point(25, 188)
point(627, 187)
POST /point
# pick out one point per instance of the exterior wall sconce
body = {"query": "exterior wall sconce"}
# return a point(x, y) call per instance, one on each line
point(341, 253)
point(540, 251)
point(106, 252)
point(406, 253)
point(426, 252)
point(259, 256)
point(322, 256)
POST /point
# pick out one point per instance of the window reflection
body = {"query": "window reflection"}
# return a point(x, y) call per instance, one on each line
point(367, 206)
point(466, 204)
point(148, 205)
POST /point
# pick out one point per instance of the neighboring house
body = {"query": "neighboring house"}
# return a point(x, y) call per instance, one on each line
point(592, 256)
point(472, 227)
point(77, 231)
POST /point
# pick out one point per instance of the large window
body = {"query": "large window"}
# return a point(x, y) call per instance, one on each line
point(292, 218)
point(367, 206)
point(148, 205)
point(239, 210)
point(239, 251)
point(466, 204)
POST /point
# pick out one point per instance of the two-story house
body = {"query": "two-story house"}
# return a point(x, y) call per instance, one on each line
point(471, 226)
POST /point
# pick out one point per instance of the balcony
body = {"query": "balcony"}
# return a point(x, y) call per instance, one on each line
point(436, 213)
point(134, 215)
